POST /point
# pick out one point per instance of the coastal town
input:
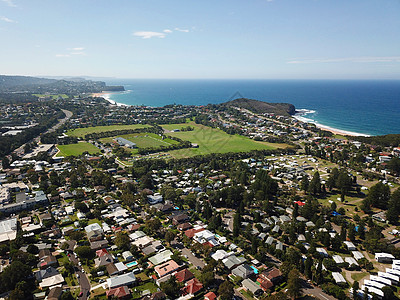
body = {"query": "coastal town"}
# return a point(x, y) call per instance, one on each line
point(233, 201)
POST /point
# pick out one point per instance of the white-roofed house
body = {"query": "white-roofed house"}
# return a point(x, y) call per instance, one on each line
point(384, 257)
point(357, 255)
point(339, 279)
point(350, 246)
point(338, 259)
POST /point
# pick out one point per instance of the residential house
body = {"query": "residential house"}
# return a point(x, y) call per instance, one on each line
point(121, 292)
point(192, 287)
point(243, 271)
point(128, 279)
point(184, 275)
point(166, 268)
point(252, 287)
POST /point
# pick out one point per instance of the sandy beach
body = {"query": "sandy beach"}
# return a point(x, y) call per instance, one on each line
point(106, 96)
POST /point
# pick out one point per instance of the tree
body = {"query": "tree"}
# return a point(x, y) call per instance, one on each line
point(236, 224)
point(207, 278)
point(153, 225)
point(13, 274)
point(33, 249)
point(122, 241)
point(355, 288)
point(84, 252)
point(5, 163)
point(352, 233)
point(294, 284)
point(169, 236)
point(393, 211)
point(394, 165)
point(304, 184)
point(171, 287)
point(308, 266)
point(225, 290)
point(379, 195)
point(66, 295)
point(315, 184)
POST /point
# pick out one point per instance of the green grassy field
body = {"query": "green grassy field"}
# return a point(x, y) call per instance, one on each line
point(81, 132)
point(211, 140)
point(76, 149)
point(143, 140)
point(52, 96)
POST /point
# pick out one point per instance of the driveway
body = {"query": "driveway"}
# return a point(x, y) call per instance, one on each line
point(197, 262)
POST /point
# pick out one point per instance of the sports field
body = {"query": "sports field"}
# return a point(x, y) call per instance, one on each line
point(143, 140)
point(77, 149)
point(212, 140)
point(81, 132)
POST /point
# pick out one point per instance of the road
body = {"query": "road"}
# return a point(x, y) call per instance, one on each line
point(193, 259)
point(316, 292)
point(83, 280)
point(68, 115)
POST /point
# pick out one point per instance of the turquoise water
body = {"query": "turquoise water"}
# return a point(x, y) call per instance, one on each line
point(255, 269)
point(131, 264)
point(363, 106)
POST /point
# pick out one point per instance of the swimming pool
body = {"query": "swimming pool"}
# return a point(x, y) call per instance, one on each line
point(131, 264)
point(255, 269)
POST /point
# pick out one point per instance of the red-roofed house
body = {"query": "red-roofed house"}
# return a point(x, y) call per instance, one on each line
point(269, 278)
point(119, 292)
point(191, 232)
point(166, 268)
point(210, 296)
point(101, 252)
point(192, 287)
point(184, 275)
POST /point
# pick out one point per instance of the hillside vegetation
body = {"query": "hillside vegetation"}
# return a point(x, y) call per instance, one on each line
point(260, 107)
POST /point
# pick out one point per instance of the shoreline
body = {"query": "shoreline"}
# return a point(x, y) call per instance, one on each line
point(107, 96)
point(300, 116)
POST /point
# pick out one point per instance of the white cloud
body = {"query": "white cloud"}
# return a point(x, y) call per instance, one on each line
point(9, 3)
point(5, 19)
point(167, 31)
point(182, 30)
point(361, 59)
point(149, 34)
point(73, 51)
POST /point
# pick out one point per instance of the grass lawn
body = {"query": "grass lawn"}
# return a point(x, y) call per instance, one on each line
point(143, 140)
point(77, 149)
point(213, 140)
point(52, 96)
point(137, 291)
point(81, 132)
point(359, 276)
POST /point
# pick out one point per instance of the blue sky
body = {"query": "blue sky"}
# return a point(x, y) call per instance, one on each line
point(272, 39)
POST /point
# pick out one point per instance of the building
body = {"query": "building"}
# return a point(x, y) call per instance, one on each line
point(121, 292)
point(161, 257)
point(125, 143)
point(184, 275)
point(339, 279)
point(128, 279)
point(384, 257)
point(8, 230)
point(252, 287)
point(350, 246)
point(166, 268)
point(243, 271)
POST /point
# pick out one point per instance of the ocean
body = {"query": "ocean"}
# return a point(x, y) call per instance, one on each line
point(367, 107)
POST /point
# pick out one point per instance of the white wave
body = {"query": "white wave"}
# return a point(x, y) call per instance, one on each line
point(300, 113)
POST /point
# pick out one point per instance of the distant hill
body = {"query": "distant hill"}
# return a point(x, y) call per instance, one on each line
point(34, 85)
point(259, 107)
